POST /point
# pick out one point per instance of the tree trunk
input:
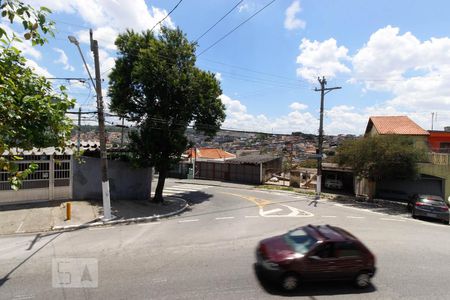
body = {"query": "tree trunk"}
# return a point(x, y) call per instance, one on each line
point(158, 198)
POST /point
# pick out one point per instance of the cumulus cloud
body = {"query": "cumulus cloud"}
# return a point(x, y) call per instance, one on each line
point(38, 69)
point(291, 21)
point(298, 106)
point(321, 59)
point(63, 59)
point(416, 72)
point(218, 76)
point(238, 118)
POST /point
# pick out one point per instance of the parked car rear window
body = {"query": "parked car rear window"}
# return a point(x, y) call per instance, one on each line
point(431, 197)
point(300, 240)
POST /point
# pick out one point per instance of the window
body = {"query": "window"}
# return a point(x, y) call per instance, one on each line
point(325, 251)
point(347, 249)
point(301, 241)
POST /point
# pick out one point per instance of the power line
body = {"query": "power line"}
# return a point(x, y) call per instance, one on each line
point(175, 7)
point(235, 28)
point(223, 17)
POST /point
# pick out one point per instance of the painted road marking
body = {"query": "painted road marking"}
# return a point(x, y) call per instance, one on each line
point(388, 219)
point(355, 217)
point(183, 189)
point(261, 203)
point(186, 221)
point(361, 209)
point(20, 227)
point(328, 216)
point(192, 186)
point(258, 202)
point(224, 218)
point(272, 211)
point(149, 223)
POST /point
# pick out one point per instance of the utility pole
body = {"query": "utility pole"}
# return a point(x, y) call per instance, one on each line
point(101, 127)
point(79, 130)
point(121, 136)
point(323, 91)
point(432, 120)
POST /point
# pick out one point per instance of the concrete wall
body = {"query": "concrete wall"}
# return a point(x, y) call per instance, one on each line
point(126, 183)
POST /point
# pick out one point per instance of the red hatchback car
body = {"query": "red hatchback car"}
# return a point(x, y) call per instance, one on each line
point(315, 253)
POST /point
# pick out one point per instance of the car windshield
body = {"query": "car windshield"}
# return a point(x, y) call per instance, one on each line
point(300, 240)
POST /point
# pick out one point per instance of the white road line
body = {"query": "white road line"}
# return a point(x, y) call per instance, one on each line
point(272, 211)
point(186, 221)
point(149, 223)
point(361, 209)
point(328, 216)
point(355, 217)
point(224, 218)
point(252, 216)
point(170, 193)
point(199, 187)
point(388, 219)
point(20, 227)
point(181, 189)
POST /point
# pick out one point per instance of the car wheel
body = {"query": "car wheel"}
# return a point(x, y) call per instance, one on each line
point(290, 282)
point(362, 280)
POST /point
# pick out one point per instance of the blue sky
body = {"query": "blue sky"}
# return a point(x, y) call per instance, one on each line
point(389, 57)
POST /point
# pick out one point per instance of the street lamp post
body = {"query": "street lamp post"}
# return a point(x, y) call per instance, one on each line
point(101, 123)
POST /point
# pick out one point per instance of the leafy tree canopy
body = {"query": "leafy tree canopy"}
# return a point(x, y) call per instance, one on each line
point(381, 157)
point(32, 114)
point(156, 84)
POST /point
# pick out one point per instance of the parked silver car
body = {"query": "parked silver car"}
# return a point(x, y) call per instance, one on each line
point(429, 206)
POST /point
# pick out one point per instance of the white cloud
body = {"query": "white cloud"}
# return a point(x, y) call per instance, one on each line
point(239, 118)
point(298, 106)
point(38, 69)
point(416, 72)
point(321, 59)
point(63, 59)
point(291, 21)
point(218, 76)
point(106, 37)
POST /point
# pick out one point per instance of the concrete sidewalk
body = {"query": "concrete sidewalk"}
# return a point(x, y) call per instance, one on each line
point(47, 216)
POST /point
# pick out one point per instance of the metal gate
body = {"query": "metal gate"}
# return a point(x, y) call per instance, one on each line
point(51, 181)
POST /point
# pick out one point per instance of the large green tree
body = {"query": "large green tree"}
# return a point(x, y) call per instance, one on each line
point(32, 113)
point(156, 84)
point(381, 157)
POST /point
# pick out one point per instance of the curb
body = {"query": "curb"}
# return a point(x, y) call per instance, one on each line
point(130, 220)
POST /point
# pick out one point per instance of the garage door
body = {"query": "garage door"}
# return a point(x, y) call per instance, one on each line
point(402, 189)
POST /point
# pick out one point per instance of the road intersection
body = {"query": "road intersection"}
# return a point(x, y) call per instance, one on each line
point(208, 251)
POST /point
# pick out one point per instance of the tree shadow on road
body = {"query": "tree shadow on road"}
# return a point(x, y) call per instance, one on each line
point(311, 289)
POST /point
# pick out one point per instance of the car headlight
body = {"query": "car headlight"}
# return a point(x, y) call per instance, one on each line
point(271, 265)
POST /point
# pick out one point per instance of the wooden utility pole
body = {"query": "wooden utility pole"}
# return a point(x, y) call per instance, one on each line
point(101, 127)
point(323, 91)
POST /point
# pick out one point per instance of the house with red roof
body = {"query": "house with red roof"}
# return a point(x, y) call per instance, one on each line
point(434, 175)
point(397, 125)
point(208, 154)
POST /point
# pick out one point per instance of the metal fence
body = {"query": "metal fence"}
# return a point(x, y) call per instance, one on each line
point(51, 181)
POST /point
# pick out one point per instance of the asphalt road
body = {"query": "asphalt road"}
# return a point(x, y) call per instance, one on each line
point(208, 252)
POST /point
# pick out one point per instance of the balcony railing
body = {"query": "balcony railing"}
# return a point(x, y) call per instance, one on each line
point(442, 159)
